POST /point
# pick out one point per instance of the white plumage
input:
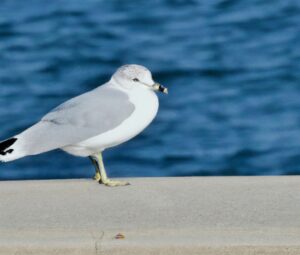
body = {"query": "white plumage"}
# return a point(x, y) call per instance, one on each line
point(94, 121)
point(145, 109)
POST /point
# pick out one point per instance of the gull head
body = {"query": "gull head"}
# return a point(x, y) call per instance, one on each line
point(131, 76)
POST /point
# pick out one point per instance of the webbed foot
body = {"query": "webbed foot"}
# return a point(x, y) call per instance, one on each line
point(114, 183)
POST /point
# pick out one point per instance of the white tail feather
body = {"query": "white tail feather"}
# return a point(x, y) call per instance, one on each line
point(10, 150)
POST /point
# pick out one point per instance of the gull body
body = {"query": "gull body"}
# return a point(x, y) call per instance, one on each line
point(94, 121)
point(146, 107)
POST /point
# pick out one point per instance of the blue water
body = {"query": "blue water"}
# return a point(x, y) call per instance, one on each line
point(232, 68)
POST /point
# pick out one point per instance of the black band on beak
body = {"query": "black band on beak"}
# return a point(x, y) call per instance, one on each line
point(157, 87)
point(162, 88)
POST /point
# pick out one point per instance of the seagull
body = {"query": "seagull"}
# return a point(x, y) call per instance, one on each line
point(86, 125)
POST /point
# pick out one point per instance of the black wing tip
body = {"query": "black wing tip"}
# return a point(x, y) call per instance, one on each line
point(5, 145)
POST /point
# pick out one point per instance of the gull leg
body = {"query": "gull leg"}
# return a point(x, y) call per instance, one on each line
point(97, 176)
point(104, 179)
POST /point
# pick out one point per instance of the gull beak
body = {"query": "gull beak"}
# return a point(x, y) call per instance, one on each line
point(160, 88)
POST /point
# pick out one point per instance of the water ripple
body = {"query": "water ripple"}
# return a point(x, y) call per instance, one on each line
point(232, 68)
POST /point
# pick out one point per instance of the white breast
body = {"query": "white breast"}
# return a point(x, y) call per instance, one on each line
point(146, 107)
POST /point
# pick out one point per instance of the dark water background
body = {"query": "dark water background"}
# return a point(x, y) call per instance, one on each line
point(232, 68)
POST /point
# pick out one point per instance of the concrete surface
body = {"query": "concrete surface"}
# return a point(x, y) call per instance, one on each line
point(200, 215)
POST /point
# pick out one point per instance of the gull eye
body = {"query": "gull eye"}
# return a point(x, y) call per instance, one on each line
point(136, 79)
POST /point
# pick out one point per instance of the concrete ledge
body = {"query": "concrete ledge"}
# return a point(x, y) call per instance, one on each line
point(199, 215)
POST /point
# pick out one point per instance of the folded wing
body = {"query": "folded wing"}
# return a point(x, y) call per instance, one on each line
point(76, 120)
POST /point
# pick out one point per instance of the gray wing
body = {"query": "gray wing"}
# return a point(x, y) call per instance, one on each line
point(78, 119)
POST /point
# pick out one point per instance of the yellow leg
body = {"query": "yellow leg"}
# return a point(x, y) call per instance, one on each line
point(104, 179)
point(97, 176)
